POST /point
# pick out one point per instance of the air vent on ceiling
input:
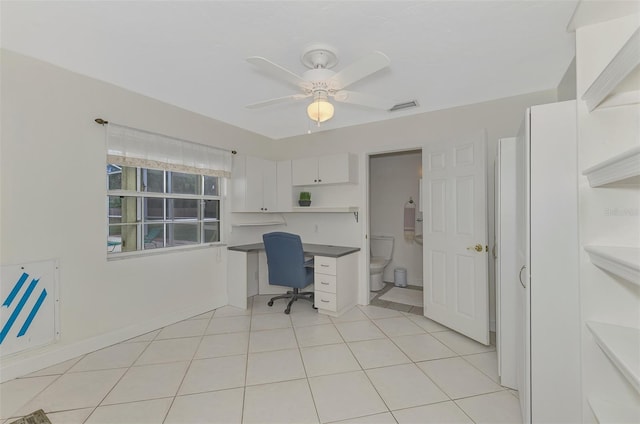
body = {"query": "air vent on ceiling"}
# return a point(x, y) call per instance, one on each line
point(404, 105)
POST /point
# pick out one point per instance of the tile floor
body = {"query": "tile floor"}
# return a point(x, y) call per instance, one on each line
point(376, 301)
point(371, 365)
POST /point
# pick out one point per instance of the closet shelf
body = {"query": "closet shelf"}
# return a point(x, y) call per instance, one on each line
point(622, 347)
point(617, 83)
point(325, 210)
point(621, 261)
point(608, 412)
point(625, 166)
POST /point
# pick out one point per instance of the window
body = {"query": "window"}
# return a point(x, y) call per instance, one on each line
point(152, 209)
point(162, 192)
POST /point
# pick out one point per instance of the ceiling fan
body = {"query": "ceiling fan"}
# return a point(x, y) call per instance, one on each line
point(320, 82)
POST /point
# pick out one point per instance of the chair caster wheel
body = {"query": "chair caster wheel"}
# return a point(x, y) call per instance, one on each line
point(287, 311)
point(270, 303)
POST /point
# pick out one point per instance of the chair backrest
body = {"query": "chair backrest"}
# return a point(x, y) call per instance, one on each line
point(285, 259)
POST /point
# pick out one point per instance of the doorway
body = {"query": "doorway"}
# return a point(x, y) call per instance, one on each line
point(395, 217)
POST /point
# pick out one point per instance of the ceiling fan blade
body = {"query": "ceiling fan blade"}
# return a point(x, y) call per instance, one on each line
point(278, 71)
point(361, 99)
point(356, 71)
point(277, 100)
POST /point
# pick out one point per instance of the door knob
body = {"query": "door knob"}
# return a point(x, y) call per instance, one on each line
point(477, 247)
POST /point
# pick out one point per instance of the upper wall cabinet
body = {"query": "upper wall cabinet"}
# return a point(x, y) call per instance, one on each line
point(254, 185)
point(332, 169)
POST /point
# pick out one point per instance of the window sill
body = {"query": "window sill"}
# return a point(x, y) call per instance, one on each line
point(161, 251)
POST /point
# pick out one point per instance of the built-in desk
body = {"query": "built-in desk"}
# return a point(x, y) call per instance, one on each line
point(335, 275)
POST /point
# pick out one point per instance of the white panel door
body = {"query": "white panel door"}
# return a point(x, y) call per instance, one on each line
point(456, 292)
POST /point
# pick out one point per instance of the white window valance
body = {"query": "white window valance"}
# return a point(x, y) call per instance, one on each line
point(137, 148)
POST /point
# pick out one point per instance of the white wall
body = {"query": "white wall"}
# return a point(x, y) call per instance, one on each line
point(53, 198)
point(393, 179)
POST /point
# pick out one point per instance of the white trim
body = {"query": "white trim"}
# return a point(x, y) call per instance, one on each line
point(615, 169)
point(621, 261)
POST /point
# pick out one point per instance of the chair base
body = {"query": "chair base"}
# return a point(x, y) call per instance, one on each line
point(293, 295)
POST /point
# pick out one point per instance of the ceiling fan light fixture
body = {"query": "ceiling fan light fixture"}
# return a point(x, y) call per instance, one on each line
point(320, 110)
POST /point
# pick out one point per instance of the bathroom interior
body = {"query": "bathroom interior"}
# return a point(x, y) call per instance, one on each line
point(395, 222)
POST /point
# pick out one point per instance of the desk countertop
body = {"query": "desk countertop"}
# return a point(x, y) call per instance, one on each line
point(312, 249)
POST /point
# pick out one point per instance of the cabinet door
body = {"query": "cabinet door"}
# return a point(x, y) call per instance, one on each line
point(284, 191)
point(304, 171)
point(333, 169)
point(254, 189)
point(269, 186)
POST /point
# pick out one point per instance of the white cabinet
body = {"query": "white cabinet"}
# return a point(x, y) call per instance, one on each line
point(548, 345)
point(260, 185)
point(336, 283)
point(331, 169)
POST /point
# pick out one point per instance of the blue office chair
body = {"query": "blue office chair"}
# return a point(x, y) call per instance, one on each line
point(287, 267)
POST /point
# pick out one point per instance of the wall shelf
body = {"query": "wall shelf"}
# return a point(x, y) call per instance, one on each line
point(622, 347)
point(617, 83)
point(624, 167)
point(325, 210)
point(256, 219)
point(608, 412)
point(621, 261)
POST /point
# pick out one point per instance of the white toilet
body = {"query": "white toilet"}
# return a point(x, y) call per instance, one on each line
point(381, 253)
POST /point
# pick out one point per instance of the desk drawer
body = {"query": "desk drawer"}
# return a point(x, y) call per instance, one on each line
point(325, 282)
point(325, 265)
point(325, 301)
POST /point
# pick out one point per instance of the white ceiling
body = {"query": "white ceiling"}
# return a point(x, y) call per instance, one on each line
point(192, 53)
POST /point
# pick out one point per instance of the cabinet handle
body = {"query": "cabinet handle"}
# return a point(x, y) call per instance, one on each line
point(322, 282)
point(520, 275)
point(324, 265)
point(325, 301)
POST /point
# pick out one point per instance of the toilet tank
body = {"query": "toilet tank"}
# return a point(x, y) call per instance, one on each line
point(381, 246)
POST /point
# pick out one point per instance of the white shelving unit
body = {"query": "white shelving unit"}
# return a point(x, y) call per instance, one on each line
point(621, 261)
point(608, 73)
point(618, 83)
point(609, 412)
point(623, 168)
point(622, 347)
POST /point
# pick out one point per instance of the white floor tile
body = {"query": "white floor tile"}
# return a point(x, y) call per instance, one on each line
point(122, 355)
point(231, 311)
point(345, 396)
point(460, 344)
point(353, 314)
point(260, 305)
point(75, 416)
point(439, 413)
point(172, 350)
point(486, 362)
point(328, 359)
point(279, 403)
point(398, 326)
point(270, 322)
point(271, 367)
point(188, 328)
point(426, 324)
point(227, 344)
point(221, 407)
point(15, 393)
point(359, 330)
point(317, 335)
point(147, 337)
point(144, 412)
point(376, 312)
point(74, 391)
point(404, 386)
point(422, 347)
point(458, 378)
point(263, 341)
point(378, 353)
point(56, 369)
point(303, 317)
point(384, 418)
point(498, 407)
point(206, 375)
point(206, 315)
point(148, 382)
point(232, 324)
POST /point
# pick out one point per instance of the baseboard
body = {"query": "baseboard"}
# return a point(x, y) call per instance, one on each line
point(28, 362)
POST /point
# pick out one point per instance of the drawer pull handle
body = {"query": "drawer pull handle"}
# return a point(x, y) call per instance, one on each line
point(325, 301)
point(322, 282)
point(324, 265)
